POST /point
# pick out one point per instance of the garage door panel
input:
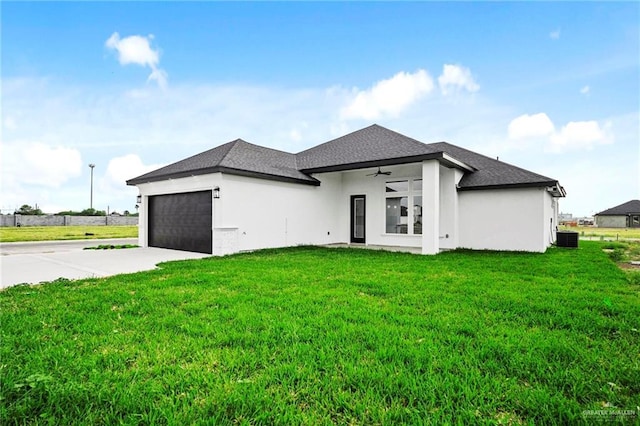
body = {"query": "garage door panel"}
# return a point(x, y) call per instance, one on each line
point(181, 221)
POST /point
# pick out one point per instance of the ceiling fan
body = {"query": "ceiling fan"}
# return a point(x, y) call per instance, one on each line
point(379, 172)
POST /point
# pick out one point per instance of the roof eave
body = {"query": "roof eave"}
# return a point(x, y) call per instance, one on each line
point(454, 162)
point(169, 176)
point(617, 214)
point(248, 173)
point(444, 158)
point(221, 169)
point(541, 184)
point(557, 190)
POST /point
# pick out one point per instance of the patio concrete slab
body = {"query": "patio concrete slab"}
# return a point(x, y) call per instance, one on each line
point(37, 262)
point(401, 249)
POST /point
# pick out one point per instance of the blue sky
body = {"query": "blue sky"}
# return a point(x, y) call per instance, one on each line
point(550, 87)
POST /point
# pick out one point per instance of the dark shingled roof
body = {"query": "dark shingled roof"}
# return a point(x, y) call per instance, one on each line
point(489, 172)
point(369, 147)
point(630, 207)
point(237, 157)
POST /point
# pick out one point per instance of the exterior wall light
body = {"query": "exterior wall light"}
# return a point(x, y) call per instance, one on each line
point(216, 192)
point(139, 199)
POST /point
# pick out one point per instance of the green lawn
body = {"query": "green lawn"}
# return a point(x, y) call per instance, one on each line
point(329, 336)
point(48, 233)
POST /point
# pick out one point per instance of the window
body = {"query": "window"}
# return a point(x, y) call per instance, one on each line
point(403, 205)
point(397, 215)
point(417, 214)
point(397, 186)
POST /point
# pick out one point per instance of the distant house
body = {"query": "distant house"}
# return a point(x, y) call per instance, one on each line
point(370, 187)
point(626, 215)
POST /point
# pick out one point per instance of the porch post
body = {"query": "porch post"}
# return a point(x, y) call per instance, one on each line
point(430, 207)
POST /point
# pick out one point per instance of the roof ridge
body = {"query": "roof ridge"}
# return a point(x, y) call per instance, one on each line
point(400, 134)
point(233, 144)
point(239, 141)
point(374, 125)
point(263, 147)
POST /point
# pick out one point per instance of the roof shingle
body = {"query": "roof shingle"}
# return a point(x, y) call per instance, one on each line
point(491, 172)
point(373, 143)
point(368, 147)
point(630, 207)
point(236, 157)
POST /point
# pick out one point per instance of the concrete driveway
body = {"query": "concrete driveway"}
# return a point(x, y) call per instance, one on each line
point(46, 261)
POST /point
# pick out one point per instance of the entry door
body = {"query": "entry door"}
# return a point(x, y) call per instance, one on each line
point(358, 209)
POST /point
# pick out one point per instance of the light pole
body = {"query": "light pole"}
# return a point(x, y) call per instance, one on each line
point(91, 199)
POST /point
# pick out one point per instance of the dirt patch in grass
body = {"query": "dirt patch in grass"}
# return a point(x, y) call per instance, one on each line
point(630, 266)
point(623, 254)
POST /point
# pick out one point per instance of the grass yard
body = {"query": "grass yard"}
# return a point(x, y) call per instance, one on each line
point(609, 233)
point(329, 336)
point(49, 233)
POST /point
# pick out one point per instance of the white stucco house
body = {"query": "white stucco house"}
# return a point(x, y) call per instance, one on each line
point(370, 187)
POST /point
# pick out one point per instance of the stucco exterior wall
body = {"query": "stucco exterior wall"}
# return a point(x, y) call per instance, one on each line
point(255, 213)
point(514, 219)
point(278, 214)
point(449, 234)
point(611, 221)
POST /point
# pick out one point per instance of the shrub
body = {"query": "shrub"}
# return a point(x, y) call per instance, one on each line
point(617, 255)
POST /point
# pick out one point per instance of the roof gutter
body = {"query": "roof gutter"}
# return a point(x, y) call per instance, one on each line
point(542, 184)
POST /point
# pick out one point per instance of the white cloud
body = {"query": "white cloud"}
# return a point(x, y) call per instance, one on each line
point(455, 78)
point(111, 186)
point(388, 97)
point(575, 135)
point(121, 169)
point(555, 34)
point(38, 164)
point(160, 76)
point(530, 126)
point(137, 50)
point(580, 135)
point(585, 90)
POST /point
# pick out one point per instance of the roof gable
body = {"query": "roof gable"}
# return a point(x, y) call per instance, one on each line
point(629, 207)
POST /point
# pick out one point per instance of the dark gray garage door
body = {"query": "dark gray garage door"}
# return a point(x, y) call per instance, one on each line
point(181, 221)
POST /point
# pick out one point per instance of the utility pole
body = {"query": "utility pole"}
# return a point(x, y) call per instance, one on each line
point(91, 199)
